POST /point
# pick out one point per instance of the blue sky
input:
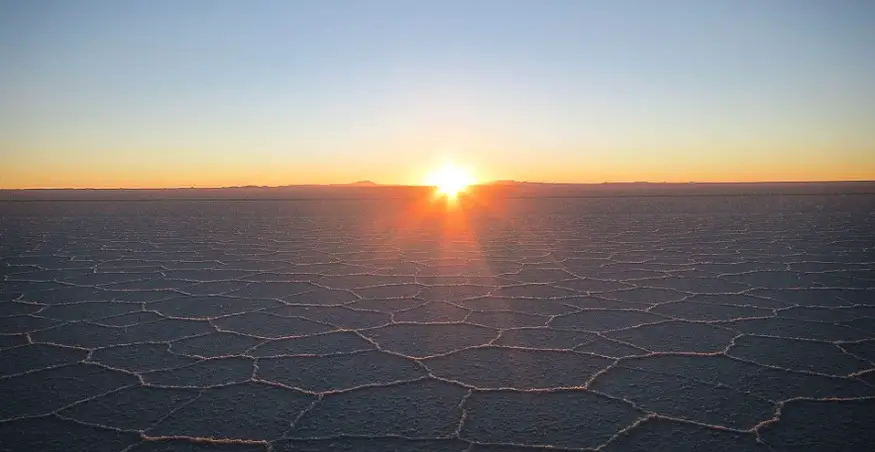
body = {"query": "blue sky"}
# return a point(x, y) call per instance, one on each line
point(179, 93)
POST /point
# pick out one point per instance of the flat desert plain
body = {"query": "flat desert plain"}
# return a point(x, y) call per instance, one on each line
point(681, 323)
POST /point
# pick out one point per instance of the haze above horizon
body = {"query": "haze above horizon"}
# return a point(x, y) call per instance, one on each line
point(203, 93)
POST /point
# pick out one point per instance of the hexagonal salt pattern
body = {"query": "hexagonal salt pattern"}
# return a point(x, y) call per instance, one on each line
point(742, 323)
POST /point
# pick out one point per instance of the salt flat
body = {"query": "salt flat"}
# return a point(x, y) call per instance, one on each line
point(664, 323)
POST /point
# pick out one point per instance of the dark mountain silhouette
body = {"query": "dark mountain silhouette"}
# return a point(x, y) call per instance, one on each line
point(499, 189)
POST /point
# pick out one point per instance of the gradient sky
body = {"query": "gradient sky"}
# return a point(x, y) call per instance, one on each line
point(152, 93)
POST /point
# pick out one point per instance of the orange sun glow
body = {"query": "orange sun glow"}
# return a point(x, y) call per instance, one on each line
point(450, 180)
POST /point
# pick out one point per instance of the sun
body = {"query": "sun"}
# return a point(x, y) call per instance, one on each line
point(450, 180)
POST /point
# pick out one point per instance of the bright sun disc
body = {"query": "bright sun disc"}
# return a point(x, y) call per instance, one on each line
point(450, 180)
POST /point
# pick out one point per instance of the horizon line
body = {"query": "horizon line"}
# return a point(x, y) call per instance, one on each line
point(370, 184)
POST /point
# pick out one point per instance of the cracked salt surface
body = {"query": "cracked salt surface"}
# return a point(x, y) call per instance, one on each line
point(570, 324)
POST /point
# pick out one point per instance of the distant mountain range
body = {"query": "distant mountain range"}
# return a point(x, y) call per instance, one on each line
point(500, 188)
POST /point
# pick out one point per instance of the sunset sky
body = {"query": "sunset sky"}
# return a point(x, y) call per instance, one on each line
point(217, 93)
